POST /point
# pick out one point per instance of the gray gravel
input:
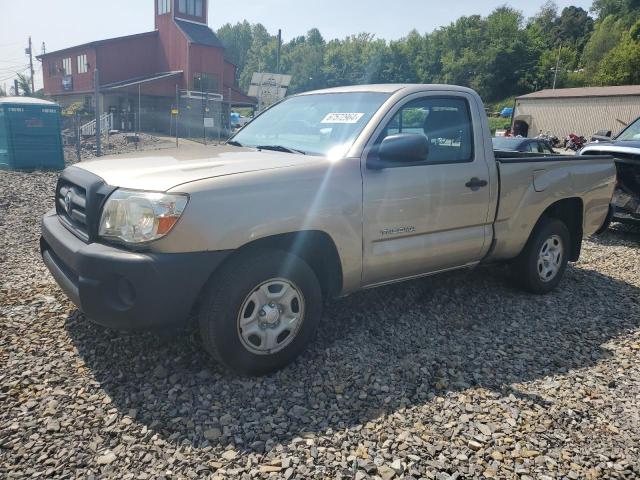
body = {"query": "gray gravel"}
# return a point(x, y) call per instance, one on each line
point(456, 376)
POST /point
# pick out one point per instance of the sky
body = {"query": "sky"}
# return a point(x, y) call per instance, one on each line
point(65, 23)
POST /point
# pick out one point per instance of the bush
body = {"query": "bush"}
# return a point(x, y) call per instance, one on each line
point(498, 124)
point(72, 109)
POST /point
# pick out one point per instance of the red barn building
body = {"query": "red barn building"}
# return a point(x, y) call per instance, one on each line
point(182, 51)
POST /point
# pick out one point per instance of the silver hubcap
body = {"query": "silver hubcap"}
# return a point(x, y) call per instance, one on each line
point(271, 316)
point(550, 258)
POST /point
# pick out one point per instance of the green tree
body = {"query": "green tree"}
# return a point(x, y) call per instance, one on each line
point(606, 35)
point(261, 56)
point(499, 55)
point(303, 59)
point(622, 64)
point(574, 27)
point(237, 40)
point(546, 20)
point(24, 84)
point(354, 60)
point(616, 8)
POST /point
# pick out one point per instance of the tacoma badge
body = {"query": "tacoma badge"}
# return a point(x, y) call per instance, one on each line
point(397, 231)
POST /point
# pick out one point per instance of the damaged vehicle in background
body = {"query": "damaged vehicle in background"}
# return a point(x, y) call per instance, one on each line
point(625, 148)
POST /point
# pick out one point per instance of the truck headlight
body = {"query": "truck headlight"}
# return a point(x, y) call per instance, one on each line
point(139, 217)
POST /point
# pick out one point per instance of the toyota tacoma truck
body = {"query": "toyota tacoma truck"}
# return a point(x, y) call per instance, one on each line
point(324, 194)
point(625, 148)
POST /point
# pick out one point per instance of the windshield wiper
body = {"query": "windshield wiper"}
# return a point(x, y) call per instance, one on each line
point(280, 148)
point(233, 143)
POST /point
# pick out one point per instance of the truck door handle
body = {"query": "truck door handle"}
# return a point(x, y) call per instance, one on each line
point(475, 183)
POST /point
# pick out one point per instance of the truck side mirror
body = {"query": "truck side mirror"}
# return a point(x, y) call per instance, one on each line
point(402, 149)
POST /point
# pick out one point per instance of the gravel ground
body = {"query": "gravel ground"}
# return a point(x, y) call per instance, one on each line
point(456, 376)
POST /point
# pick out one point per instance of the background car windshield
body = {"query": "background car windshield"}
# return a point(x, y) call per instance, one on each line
point(317, 124)
point(632, 132)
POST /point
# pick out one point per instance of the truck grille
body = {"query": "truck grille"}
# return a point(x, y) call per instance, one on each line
point(79, 198)
point(71, 205)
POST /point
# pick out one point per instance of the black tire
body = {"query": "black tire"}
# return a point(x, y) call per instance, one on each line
point(525, 268)
point(228, 290)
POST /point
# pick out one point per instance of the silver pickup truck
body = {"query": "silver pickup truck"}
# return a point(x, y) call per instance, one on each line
point(322, 195)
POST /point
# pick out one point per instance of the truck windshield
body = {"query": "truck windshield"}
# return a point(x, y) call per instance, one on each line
point(632, 132)
point(324, 124)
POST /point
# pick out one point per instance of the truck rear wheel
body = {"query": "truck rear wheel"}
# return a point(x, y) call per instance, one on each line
point(542, 263)
point(260, 311)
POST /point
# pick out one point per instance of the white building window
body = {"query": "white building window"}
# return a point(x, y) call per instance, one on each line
point(193, 8)
point(66, 66)
point(164, 6)
point(82, 64)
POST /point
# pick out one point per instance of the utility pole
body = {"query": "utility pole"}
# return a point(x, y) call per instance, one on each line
point(555, 75)
point(205, 101)
point(96, 81)
point(139, 110)
point(178, 112)
point(279, 48)
point(78, 137)
point(30, 52)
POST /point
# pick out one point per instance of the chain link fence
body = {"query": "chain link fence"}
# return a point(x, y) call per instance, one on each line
point(136, 118)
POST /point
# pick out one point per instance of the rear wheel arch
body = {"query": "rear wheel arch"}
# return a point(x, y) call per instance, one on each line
point(541, 265)
point(569, 211)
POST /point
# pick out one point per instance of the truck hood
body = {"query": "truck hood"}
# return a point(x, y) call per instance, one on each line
point(165, 169)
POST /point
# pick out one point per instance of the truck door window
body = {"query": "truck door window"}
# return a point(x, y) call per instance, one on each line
point(446, 122)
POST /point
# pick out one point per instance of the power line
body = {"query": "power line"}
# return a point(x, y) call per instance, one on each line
point(15, 65)
point(17, 68)
point(14, 75)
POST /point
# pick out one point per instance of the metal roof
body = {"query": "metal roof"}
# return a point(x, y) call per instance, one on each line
point(140, 80)
point(618, 91)
point(26, 101)
point(97, 43)
point(200, 34)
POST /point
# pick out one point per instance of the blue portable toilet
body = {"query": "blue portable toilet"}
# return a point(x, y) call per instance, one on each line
point(30, 134)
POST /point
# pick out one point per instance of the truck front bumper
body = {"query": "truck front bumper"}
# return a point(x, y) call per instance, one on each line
point(122, 289)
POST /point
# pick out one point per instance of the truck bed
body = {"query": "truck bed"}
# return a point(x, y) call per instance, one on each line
point(530, 183)
point(504, 156)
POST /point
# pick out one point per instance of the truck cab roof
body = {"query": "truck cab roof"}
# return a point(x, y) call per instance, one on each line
point(391, 88)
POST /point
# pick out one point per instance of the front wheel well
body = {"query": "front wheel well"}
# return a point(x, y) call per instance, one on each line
point(316, 248)
point(570, 212)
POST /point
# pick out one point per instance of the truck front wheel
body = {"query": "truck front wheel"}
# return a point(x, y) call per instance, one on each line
point(542, 263)
point(260, 311)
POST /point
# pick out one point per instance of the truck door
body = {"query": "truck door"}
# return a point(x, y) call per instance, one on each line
point(432, 216)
